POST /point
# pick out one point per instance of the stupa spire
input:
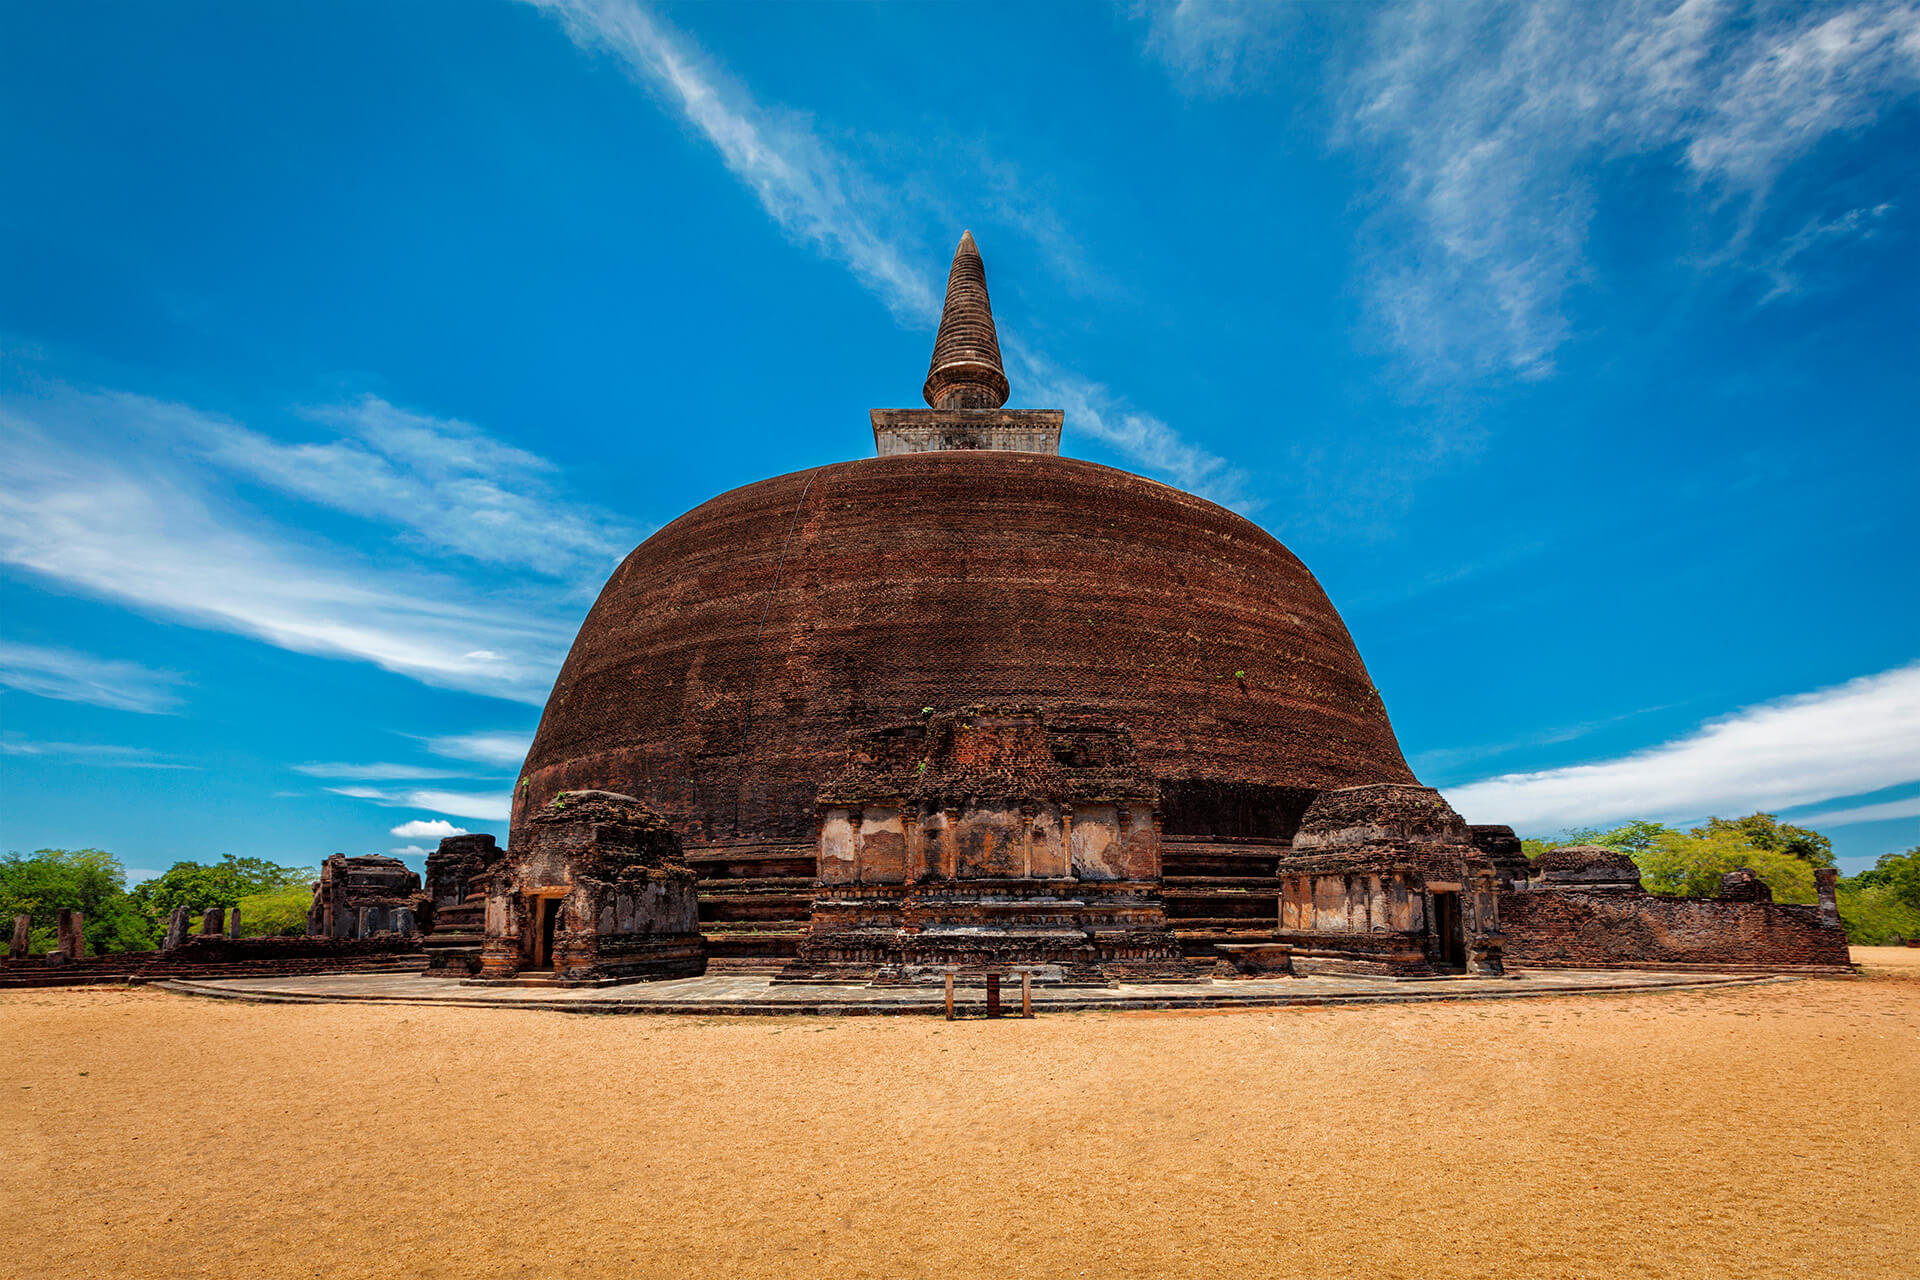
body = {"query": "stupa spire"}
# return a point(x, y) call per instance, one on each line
point(966, 371)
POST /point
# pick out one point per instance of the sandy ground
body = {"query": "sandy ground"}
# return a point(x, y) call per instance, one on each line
point(1758, 1131)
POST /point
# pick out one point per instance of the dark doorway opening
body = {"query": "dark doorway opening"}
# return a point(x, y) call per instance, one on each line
point(548, 915)
point(1450, 940)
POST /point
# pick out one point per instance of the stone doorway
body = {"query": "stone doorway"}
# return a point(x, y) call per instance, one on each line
point(544, 919)
point(1450, 940)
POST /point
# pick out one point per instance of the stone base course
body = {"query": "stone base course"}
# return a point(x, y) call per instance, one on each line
point(754, 993)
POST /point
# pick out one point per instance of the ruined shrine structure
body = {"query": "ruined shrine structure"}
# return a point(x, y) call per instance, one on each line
point(456, 907)
point(593, 888)
point(357, 897)
point(1386, 879)
point(971, 702)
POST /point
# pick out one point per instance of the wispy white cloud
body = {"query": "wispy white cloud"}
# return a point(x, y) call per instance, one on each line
point(71, 676)
point(500, 747)
point(1444, 759)
point(1784, 264)
point(813, 193)
point(1212, 46)
point(445, 483)
point(410, 850)
point(1490, 120)
point(1851, 739)
point(99, 755)
point(487, 808)
point(99, 502)
point(1885, 811)
point(376, 772)
point(821, 198)
point(1093, 410)
point(427, 829)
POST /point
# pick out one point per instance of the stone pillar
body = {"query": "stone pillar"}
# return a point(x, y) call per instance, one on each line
point(177, 925)
point(949, 844)
point(500, 949)
point(363, 927)
point(1066, 840)
point(213, 922)
point(1486, 903)
point(22, 938)
point(233, 922)
point(913, 837)
point(1825, 884)
point(1027, 814)
point(72, 941)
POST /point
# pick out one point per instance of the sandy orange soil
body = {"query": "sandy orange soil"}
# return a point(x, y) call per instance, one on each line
point(1757, 1131)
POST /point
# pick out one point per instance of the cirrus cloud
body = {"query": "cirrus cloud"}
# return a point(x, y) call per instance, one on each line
point(1854, 738)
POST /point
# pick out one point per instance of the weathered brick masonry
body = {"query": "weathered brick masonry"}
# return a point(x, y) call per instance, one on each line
point(732, 657)
point(1578, 929)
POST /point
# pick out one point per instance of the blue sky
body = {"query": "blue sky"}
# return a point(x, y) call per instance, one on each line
point(344, 348)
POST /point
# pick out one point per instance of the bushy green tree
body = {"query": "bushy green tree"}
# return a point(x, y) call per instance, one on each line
point(197, 886)
point(1631, 838)
point(1764, 831)
point(277, 913)
point(1690, 864)
point(1899, 872)
point(1881, 905)
point(87, 880)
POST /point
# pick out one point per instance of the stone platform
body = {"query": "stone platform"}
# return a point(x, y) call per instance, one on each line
point(755, 993)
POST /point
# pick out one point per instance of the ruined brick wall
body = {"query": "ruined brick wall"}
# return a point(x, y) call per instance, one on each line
point(1579, 929)
point(729, 659)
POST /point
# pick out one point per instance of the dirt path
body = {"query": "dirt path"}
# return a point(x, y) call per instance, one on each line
point(1751, 1132)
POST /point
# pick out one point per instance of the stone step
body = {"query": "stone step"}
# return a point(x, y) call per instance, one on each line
point(758, 906)
point(734, 862)
point(1215, 860)
point(757, 884)
point(1248, 906)
point(754, 965)
point(1224, 924)
point(1256, 884)
point(768, 945)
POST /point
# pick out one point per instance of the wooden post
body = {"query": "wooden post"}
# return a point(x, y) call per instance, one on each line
point(949, 995)
point(1026, 993)
point(993, 995)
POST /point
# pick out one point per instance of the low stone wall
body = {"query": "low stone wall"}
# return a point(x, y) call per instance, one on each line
point(218, 956)
point(200, 949)
point(1571, 929)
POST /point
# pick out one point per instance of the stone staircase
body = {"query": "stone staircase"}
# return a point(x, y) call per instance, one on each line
point(1220, 891)
point(754, 897)
point(457, 934)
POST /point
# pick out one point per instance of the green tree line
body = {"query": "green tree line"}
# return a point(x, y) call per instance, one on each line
point(272, 899)
point(1878, 906)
